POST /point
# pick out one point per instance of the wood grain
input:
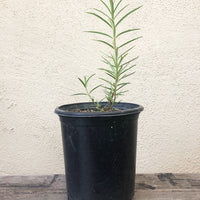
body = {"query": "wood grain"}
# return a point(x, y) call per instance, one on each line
point(148, 187)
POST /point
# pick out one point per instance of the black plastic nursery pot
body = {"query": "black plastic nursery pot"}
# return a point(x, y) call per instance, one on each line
point(99, 151)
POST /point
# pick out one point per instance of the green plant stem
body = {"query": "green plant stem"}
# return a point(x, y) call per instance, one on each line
point(113, 96)
point(116, 68)
point(92, 99)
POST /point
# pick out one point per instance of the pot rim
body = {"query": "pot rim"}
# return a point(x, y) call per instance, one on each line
point(125, 109)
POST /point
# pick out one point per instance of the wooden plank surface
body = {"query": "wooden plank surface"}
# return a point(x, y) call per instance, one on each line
point(148, 187)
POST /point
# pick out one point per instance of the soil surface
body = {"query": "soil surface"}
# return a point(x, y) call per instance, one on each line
point(90, 110)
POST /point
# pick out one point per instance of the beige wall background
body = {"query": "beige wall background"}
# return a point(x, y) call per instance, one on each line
point(43, 50)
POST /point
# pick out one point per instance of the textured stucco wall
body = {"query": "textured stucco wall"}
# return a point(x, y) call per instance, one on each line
point(43, 50)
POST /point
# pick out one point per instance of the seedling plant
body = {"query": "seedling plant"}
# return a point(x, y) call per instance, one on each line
point(118, 68)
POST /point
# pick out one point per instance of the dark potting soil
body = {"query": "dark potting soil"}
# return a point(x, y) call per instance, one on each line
point(89, 110)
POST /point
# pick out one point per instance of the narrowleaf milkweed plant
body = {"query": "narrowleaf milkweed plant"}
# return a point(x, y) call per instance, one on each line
point(118, 67)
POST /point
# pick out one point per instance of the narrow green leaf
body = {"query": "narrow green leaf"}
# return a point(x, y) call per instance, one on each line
point(110, 75)
point(106, 70)
point(91, 13)
point(123, 83)
point(121, 93)
point(102, 13)
point(127, 15)
point(108, 63)
point(130, 41)
point(106, 87)
point(122, 58)
point(102, 99)
point(89, 78)
point(126, 75)
point(85, 80)
point(106, 81)
point(120, 86)
point(104, 42)
point(113, 25)
point(110, 91)
point(130, 30)
point(121, 10)
point(79, 94)
point(99, 33)
point(126, 51)
point(126, 63)
point(95, 88)
point(81, 81)
point(105, 54)
point(114, 60)
point(125, 70)
point(106, 6)
point(112, 7)
point(118, 5)
point(109, 97)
